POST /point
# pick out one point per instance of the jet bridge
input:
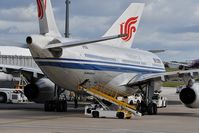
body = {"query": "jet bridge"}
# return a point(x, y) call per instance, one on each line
point(18, 60)
point(110, 95)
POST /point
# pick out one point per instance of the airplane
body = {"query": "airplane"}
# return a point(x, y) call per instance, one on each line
point(13, 67)
point(190, 64)
point(109, 61)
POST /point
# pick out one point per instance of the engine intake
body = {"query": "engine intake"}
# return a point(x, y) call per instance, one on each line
point(190, 96)
point(187, 95)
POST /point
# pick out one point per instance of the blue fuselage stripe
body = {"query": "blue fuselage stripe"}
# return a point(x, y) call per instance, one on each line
point(94, 61)
point(98, 67)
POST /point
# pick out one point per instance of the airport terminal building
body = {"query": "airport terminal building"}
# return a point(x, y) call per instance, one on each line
point(16, 56)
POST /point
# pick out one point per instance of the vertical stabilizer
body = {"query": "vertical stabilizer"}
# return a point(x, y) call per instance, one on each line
point(46, 18)
point(126, 24)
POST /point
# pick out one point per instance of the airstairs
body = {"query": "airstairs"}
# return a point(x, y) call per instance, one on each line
point(22, 82)
point(111, 95)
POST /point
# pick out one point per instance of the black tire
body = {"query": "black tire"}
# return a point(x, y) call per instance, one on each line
point(139, 107)
point(95, 114)
point(120, 115)
point(166, 103)
point(46, 106)
point(155, 109)
point(150, 109)
point(143, 108)
point(3, 97)
point(88, 110)
point(131, 102)
point(64, 106)
point(59, 106)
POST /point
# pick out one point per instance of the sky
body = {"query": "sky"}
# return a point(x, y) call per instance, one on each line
point(172, 25)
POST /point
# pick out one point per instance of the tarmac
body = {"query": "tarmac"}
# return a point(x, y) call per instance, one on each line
point(30, 118)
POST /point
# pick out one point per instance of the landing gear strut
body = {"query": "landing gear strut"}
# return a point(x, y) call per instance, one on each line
point(147, 105)
point(152, 109)
point(58, 105)
point(75, 101)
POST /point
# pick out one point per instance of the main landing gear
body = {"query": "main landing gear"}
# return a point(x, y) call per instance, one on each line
point(59, 104)
point(147, 105)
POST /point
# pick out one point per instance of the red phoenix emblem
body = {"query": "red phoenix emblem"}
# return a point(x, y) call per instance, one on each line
point(41, 8)
point(128, 28)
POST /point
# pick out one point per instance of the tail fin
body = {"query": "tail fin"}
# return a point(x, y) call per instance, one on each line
point(126, 24)
point(47, 23)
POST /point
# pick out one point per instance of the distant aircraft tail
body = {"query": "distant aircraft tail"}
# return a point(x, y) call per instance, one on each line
point(47, 23)
point(126, 24)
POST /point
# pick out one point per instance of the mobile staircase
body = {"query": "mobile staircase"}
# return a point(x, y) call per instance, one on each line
point(101, 92)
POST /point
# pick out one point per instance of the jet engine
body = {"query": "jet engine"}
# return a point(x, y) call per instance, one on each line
point(190, 96)
point(40, 91)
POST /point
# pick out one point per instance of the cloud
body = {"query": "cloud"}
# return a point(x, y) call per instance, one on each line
point(18, 27)
point(18, 20)
point(19, 14)
point(89, 26)
point(171, 25)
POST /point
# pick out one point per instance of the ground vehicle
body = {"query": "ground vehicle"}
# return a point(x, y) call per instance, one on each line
point(134, 99)
point(159, 100)
point(8, 95)
point(96, 111)
point(121, 110)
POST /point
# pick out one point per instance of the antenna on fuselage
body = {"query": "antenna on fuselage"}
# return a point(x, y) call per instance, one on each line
point(67, 34)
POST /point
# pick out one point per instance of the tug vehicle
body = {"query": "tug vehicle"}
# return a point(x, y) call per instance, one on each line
point(8, 95)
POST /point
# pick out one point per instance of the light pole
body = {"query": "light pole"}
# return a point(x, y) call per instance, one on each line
point(67, 34)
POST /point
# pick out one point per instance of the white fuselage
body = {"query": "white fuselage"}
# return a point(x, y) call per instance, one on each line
point(97, 63)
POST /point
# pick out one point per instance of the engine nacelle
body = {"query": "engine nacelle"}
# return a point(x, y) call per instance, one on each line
point(40, 91)
point(190, 96)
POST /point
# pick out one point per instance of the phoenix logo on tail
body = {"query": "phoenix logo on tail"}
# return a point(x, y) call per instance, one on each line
point(41, 8)
point(128, 28)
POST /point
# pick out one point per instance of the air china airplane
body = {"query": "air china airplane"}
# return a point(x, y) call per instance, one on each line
point(109, 60)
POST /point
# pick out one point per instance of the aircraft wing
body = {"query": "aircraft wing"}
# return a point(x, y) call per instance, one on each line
point(26, 71)
point(185, 75)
